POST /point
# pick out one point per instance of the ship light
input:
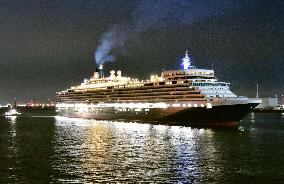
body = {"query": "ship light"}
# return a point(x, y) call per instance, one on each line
point(195, 105)
point(131, 105)
point(189, 105)
point(82, 109)
point(160, 105)
point(209, 105)
point(201, 131)
point(186, 61)
point(176, 105)
point(202, 105)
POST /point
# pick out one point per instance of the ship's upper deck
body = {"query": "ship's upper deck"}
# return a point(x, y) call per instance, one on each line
point(189, 83)
point(202, 79)
point(192, 73)
point(188, 73)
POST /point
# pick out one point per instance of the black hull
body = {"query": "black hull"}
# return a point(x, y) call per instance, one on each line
point(198, 116)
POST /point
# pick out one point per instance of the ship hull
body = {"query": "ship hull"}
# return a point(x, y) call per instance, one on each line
point(198, 116)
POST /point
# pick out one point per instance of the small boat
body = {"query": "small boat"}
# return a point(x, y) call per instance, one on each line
point(12, 112)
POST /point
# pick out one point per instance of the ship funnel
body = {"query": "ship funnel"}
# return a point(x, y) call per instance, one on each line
point(100, 71)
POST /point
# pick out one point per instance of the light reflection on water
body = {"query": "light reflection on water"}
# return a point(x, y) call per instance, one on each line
point(65, 150)
point(117, 151)
point(11, 119)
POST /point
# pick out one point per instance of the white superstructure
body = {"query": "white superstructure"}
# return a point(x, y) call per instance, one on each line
point(189, 87)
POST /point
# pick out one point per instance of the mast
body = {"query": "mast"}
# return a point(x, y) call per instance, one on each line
point(257, 90)
point(186, 61)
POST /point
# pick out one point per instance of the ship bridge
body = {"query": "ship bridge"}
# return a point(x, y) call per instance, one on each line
point(189, 72)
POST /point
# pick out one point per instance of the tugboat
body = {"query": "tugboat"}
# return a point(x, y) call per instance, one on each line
point(12, 111)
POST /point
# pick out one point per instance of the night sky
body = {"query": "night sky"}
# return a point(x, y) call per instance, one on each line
point(49, 45)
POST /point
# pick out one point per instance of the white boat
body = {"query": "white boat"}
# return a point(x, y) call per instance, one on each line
point(12, 112)
point(176, 97)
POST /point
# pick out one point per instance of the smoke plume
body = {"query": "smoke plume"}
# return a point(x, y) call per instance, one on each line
point(161, 14)
point(114, 38)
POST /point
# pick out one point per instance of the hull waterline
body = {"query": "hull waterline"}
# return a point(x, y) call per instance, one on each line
point(217, 115)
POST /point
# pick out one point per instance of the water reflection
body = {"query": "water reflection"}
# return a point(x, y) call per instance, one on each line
point(26, 149)
point(11, 119)
point(63, 150)
point(117, 151)
point(7, 148)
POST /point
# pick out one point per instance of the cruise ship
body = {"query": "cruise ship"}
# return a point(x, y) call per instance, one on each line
point(176, 97)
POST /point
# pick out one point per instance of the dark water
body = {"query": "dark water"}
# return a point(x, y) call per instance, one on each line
point(50, 149)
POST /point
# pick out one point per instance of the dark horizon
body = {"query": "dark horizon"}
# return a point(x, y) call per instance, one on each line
point(49, 46)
